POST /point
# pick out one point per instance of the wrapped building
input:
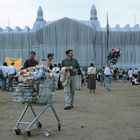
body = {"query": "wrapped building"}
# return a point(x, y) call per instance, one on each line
point(87, 38)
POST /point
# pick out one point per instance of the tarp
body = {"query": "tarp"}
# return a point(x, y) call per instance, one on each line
point(17, 61)
point(89, 45)
point(55, 38)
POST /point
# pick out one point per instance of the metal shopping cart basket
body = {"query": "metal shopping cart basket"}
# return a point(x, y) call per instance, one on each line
point(32, 93)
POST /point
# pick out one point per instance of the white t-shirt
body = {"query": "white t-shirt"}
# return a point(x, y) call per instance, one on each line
point(4, 70)
point(11, 70)
point(107, 71)
point(130, 73)
point(135, 71)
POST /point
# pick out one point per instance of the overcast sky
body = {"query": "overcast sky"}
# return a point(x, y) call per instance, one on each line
point(23, 12)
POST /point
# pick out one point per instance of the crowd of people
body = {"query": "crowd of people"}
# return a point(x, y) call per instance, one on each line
point(63, 79)
point(131, 75)
point(106, 74)
point(7, 74)
point(65, 73)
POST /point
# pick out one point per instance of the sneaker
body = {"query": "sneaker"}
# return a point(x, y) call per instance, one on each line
point(108, 89)
point(67, 108)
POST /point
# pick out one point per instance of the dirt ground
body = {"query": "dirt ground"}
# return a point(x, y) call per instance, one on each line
point(103, 115)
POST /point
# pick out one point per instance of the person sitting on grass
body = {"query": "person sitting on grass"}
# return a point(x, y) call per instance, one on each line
point(135, 81)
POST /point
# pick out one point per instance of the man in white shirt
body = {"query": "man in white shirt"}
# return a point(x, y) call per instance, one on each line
point(4, 69)
point(108, 73)
point(11, 73)
point(130, 74)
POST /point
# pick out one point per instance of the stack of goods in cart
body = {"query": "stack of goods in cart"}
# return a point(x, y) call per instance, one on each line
point(26, 82)
point(34, 73)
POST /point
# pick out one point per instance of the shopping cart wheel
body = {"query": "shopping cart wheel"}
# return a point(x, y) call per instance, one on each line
point(59, 127)
point(39, 125)
point(17, 131)
point(29, 133)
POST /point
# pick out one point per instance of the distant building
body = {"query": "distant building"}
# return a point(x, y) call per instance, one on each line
point(86, 38)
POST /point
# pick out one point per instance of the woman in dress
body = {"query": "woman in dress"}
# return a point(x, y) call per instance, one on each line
point(91, 78)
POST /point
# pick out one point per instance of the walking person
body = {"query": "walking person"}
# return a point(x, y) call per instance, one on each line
point(102, 80)
point(130, 75)
point(71, 65)
point(4, 70)
point(120, 73)
point(31, 62)
point(11, 72)
point(49, 61)
point(108, 75)
point(124, 77)
point(50, 66)
point(135, 73)
point(91, 78)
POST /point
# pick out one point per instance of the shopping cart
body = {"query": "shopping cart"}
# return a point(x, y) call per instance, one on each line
point(32, 93)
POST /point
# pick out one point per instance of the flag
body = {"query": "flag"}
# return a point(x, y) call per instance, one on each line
point(107, 39)
point(107, 25)
point(17, 61)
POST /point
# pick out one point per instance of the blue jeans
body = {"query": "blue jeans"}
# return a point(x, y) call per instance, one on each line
point(108, 82)
point(3, 79)
point(69, 91)
point(102, 80)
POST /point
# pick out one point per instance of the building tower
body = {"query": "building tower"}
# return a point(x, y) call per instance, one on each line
point(40, 22)
point(93, 18)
